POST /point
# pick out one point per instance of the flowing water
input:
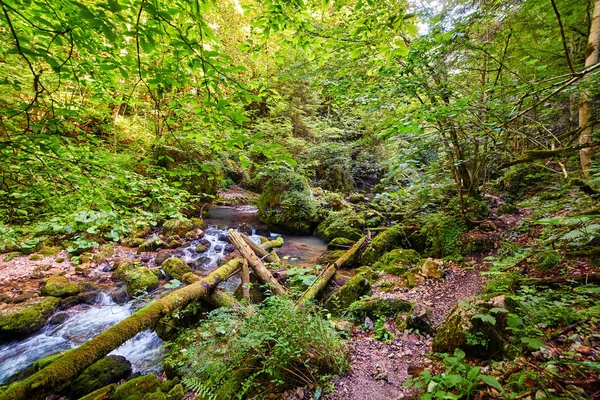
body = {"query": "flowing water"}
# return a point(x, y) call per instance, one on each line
point(145, 350)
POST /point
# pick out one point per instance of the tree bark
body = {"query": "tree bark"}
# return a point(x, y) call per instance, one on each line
point(322, 281)
point(262, 253)
point(585, 106)
point(257, 265)
point(56, 376)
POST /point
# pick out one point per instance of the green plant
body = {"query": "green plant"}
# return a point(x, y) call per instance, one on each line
point(458, 381)
point(380, 332)
point(443, 235)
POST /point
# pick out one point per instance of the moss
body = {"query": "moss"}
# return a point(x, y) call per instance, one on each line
point(31, 369)
point(356, 198)
point(152, 244)
point(519, 180)
point(175, 268)
point(201, 248)
point(169, 384)
point(443, 233)
point(135, 389)
point(101, 394)
point(27, 317)
point(59, 286)
point(340, 243)
point(105, 253)
point(177, 393)
point(189, 277)
point(140, 279)
point(123, 267)
point(398, 261)
point(368, 273)
point(110, 369)
point(357, 287)
point(155, 396)
point(178, 227)
point(35, 257)
point(341, 224)
point(433, 268)
point(59, 260)
point(132, 242)
point(330, 256)
point(375, 307)
point(385, 241)
point(287, 203)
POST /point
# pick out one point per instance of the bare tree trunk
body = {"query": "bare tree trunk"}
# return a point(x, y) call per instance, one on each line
point(585, 106)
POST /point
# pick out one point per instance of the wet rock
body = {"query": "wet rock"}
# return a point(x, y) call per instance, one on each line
point(140, 280)
point(223, 237)
point(136, 388)
point(161, 256)
point(58, 319)
point(59, 286)
point(262, 232)
point(340, 243)
point(27, 317)
point(200, 248)
point(89, 298)
point(433, 268)
point(200, 263)
point(218, 248)
point(175, 268)
point(205, 242)
point(119, 296)
point(121, 270)
point(152, 244)
point(228, 249)
point(110, 369)
point(245, 228)
point(341, 224)
point(178, 227)
point(132, 242)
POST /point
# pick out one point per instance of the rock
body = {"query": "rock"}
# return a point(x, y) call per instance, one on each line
point(189, 277)
point(375, 307)
point(357, 287)
point(178, 227)
point(474, 336)
point(392, 238)
point(152, 244)
point(413, 279)
point(175, 268)
point(228, 249)
point(136, 388)
point(205, 242)
point(132, 242)
point(101, 394)
point(58, 319)
point(330, 256)
point(140, 279)
point(341, 224)
point(110, 369)
point(420, 318)
point(119, 296)
point(82, 298)
point(48, 250)
point(161, 256)
point(201, 248)
point(433, 268)
point(17, 320)
point(356, 198)
point(380, 373)
point(59, 286)
point(397, 261)
point(368, 273)
point(121, 270)
point(59, 260)
point(177, 393)
point(369, 325)
point(155, 396)
point(104, 253)
point(340, 243)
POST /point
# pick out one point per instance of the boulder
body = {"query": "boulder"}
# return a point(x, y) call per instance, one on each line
point(357, 287)
point(140, 279)
point(161, 256)
point(340, 243)
point(121, 270)
point(136, 388)
point(464, 329)
point(27, 317)
point(420, 318)
point(392, 238)
point(152, 244)
point(175, 268)
point(341, 224)
point(375, 307)
point(177, 393)
point(178, 227)
point(397, 261)
point(59, 286)
point(110, 369)
point(433, 268)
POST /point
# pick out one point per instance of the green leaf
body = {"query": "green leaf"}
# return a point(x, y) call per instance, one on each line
point(485, 318)
point(491, 381)
point(533, 343)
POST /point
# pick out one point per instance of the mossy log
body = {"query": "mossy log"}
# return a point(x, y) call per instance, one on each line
point(322, 281)
point(56, 376)
point(271, 244)
point(260, 252)
point(257, 265)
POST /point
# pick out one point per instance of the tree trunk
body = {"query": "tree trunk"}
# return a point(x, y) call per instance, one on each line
point(58, 375)
point(262, 253)
point(257, 265)
point(592, 53)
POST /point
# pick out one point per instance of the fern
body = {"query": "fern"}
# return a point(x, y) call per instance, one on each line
point(203, 391)
point(586, 232)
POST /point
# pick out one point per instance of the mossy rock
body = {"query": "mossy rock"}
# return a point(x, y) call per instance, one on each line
point(189, 277)
point(140, 280)
point(177, 393)
point(136, 389)
point(101, 394)
point(356, 198)
point(330, 256)
point(26, 317)
point(104, 253)
point(286, 203)
point(167, 385)
point(123, 267)
point(155, 396)
point(433, 268)
point(175, 268)
point(110, 369)
point(375, 307)
point(368, 272)
point(35, 257)
point(47, 250)
point(474, 336)
point(357, 287)
point(392, 238)
point(341, 224)
point(59, 286)
point(178, 227)
point(420, 318)
point(397, 261)
point(201, 248)
point(132, 242)
point(152, 244)
point(340, 243)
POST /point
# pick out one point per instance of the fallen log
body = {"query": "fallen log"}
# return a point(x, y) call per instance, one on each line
point(326, 276)
point(245, 281)
point(257, 265)
point(271, 244)
point(58, 375)
point(260, 252)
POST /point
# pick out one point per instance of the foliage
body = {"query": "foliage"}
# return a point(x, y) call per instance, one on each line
point(443, 235)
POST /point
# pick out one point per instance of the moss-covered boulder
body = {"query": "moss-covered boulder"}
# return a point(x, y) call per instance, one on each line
point(189, 277)
point(136, 389)
point(357, 287)
point(110, 369)
point(340, 244)
point(178, 227)
point(392, 238)
point(140, 280)
point(152, 244)
point(27, 317)
point(59, 286)
point(101, 394)
point(368, 272)
point(375, 307)
point(155, 396)
point(330, 256)
point(397, 261)
point(464, 328)
point(287, 204)
point(341, 224)
point(433, 268)
point(123, 267)
point(175, 268)
point(177, 393)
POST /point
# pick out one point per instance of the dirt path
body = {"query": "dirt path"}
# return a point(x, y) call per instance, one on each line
point(378, 370)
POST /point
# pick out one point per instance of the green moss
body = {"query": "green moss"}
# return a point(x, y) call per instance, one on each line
point(35, 257)
point(152, 244)
point(104, 253)
point(123, 267)
point(178, 227)
point(357, 287)
point(101, 394)
point(519, 180)
point(26, 317)
point(140, 280)
point(356, 198)
point(201, 248)
point(177, 393)
point(433, 268)
point(59, 286)
point(341, 224)
point(375, 307)
point(169, 384)
point(136, 389)
point(110, 369)
point(397, 261)
point(189, 277)
point(155, 396)
point(340, 243)
point(443, 233)
point(385, 241)
point(330, 256)
point(368, 273)
point(175, 268)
